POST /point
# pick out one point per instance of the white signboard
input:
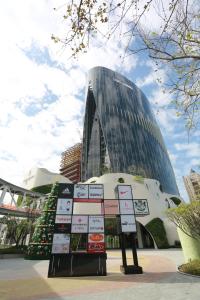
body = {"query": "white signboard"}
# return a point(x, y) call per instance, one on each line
point(79, 224)
point(63, 219)
point(141, 207)
point(80, 191)
point(96, 191)
point(126, 207)
point(86, 208)
point(128, 223)
point(60, 248)
point(96, 224)
point(61, 238)
point(124, 192)
point(64, 206)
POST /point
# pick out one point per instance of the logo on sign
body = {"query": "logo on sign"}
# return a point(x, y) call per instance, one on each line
point(122, 193)
point(141, 207)
point(80, 195)
point(63, 219)
point(96, 247)
point(96, 224)
point(96, 237)
point(66, 191)
point(96, 191)
point(125, 192)
point(81, 191)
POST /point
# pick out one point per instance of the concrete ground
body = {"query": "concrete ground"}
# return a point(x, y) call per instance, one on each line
point(27, 280)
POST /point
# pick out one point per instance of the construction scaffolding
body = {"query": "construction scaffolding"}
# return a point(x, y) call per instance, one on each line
point(71, 163)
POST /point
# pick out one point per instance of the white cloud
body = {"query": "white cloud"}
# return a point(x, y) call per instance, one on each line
point(160, 98)
point(152, 77)
point(190, 149)
point(166, 119)
point(37, 139)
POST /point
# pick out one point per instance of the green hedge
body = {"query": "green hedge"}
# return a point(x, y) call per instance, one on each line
point(14, 250)
point(121, 180)
point(43, 189)
point(176, 201)
point(157, 230)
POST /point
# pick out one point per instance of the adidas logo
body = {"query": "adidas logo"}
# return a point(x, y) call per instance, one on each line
point(66, 191)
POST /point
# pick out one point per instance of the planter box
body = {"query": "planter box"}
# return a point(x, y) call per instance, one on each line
point(190, 246)
point(77, 264)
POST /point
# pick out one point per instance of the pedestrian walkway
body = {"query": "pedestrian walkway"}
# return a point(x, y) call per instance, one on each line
point(27, 280)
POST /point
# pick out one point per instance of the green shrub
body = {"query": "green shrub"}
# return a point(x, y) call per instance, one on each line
point(176, 201)
point(187, 218)
point(43, 189)
point(121, 180)
point(193, 267)
point(157, 230)
point(14, 250)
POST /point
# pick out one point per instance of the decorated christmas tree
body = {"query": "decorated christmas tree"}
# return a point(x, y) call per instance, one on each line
point(41, 242)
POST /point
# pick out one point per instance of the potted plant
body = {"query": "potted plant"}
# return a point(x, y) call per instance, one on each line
point(187, 219)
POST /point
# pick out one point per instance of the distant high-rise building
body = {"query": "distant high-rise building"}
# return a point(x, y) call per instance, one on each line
point(121, 133)
point(70, 163)
point(192, 185)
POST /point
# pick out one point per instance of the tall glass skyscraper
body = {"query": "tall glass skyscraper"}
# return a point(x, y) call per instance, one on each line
point(121, 133)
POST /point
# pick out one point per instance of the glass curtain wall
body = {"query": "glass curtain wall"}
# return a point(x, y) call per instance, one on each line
point(120, 128)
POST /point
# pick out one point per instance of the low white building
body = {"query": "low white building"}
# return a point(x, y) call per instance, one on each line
point(158, 203)
point(41, 176)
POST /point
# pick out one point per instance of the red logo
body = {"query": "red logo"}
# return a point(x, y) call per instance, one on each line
point(96, 237)
point(96, 247)
point(122, 193)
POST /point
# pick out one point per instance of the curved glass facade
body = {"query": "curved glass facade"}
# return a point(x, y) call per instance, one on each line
point(121, 133)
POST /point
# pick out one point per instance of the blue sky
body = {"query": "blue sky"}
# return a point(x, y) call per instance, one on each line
point(42, 93)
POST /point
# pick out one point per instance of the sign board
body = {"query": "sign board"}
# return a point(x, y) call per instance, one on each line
point(87, 208)
point(96, 243)
point(96, 224)
point(124, 192)
point(66, 190)
point(60, 248)
point(64, 206)
point(61, 238)
point(63, 219)
point(81, 191)
point(95, 237)
point(111, 207)
point(96, 247)
point(128, 223)
point(61, 243)
point(79, 224)
point(62, 228)
point(141, 207)
point(126, 207)
point(96, 191)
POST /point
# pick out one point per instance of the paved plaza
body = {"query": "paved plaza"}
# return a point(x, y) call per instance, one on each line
point(24, 279)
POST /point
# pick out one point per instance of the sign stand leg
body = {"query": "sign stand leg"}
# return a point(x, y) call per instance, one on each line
point(134, 251)
point(130, 269)
point(122, 244)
